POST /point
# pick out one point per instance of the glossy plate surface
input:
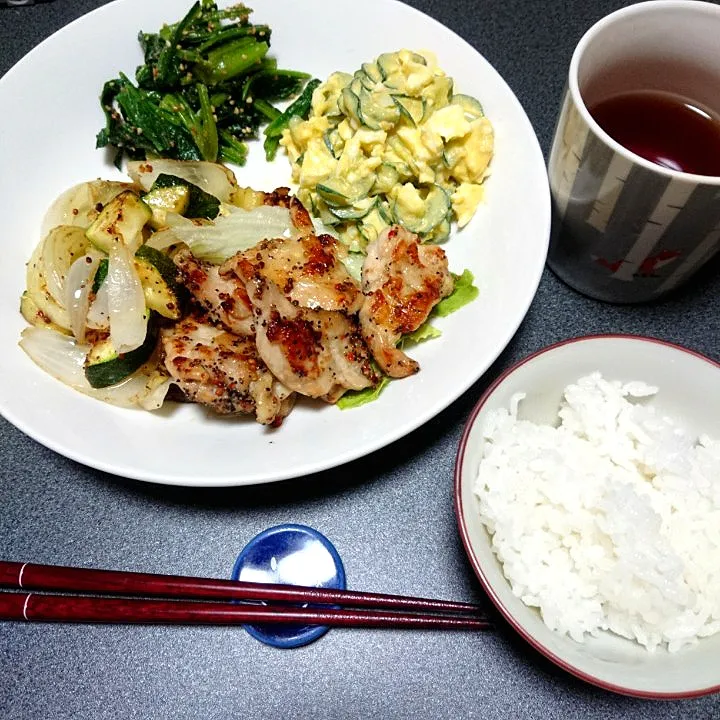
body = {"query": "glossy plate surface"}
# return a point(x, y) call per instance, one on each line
point(689, 391)
point(48, 145)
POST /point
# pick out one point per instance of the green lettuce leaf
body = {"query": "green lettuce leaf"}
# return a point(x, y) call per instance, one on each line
point(356, 398)
point(425, 332)
point(465, 292)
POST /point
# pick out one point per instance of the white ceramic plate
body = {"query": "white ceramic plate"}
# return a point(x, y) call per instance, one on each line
point(50, 119)
point(689, 390)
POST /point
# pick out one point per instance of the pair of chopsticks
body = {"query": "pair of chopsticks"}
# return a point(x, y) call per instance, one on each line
point(176, 599)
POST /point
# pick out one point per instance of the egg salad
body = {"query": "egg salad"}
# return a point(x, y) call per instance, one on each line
point(392, 143)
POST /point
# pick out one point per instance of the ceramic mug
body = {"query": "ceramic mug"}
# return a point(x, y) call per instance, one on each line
point(626, 229)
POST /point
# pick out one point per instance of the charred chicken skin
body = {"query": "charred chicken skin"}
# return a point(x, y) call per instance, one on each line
point(223, 371)
point(223, 298)
point(402, 282)
point(286, 317)
point(305, 304)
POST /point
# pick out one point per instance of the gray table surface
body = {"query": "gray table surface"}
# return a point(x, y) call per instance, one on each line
point(390, 515)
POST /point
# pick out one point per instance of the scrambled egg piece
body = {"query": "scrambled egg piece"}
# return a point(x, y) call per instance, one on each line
point(391, 144)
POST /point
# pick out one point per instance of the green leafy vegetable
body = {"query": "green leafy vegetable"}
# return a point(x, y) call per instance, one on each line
point(232, 150)
point(207, 85)
point(138, 124)
point(356, 398)
point(425, 332)
point(301, 107)
point(463, 293)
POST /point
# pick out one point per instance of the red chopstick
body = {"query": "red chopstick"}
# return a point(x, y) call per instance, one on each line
point(89, 609)
point(371, 609)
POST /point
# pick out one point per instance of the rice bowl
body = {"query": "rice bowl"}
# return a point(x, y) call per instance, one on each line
point(688, 392)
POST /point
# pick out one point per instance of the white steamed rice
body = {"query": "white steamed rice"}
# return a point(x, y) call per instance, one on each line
point(610, 521)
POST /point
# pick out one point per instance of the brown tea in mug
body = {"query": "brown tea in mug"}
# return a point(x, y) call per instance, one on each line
point(663, 127)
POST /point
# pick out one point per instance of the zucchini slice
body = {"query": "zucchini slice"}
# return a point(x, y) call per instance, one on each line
point(199, 203)
point(100, 274)
point(105, 367)
point(158, 277)
point(162, 200)
point(123, 219)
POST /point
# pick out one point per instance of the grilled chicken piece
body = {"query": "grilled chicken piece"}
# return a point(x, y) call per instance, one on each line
point(308, 270)
point(224, 298)
point(223, 371)
point(402, 282)
point(305, 302)
point(318, 353)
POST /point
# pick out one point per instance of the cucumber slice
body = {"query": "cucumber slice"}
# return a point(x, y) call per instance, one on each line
point(472, 108)
point(387, 64)
point(353, 239)
point(418, 58)
point(338, 192)
point(105, 367)
point(403, 170)
point(378, 107)
point(403, 154)
point(385, 212)
point(372, 71)
point(412, 108)
point(386, 179)
point(356, 211)
point(365, 82)
point(350, 103)
point(440, 92)
point(122, 219)
point(436, 208)
point(365, 112)
point(453, 152)
point(372, 225)
point(369, 233)
point(321, 210)
point(334, 191)
point(333, 142)
point(439, 233)
point(356, 84)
